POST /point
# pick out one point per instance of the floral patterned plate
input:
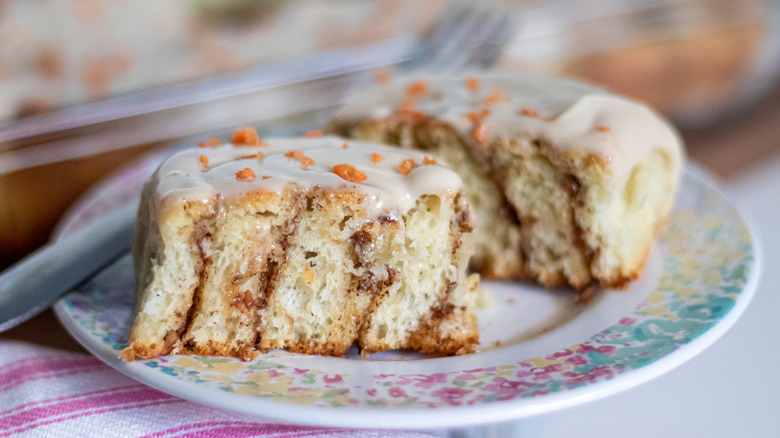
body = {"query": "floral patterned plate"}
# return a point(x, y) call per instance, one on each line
point(540, 352)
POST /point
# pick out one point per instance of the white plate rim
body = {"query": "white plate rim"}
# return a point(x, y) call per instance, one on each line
point(418, 418)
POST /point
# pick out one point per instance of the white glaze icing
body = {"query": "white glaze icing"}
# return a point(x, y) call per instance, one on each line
point(184, 177)
point(569, 114)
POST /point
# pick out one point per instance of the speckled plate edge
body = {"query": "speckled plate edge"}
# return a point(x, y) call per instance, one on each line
point(601, 365)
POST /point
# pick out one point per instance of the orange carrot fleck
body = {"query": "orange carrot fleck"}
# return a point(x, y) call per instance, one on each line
point(407, 112)
point(375, 158)
point(266, 177)
point(381, 75)
point(480, 132)
point(295, 155)
point(527, 112)
point(493, 97)
point(476, 117)
point(211, 143)
point(412, 116)
point(246, 174)
point(345, 145)
point(472, 83)
point(315, 133)
point(259, 155)
point(349, 173)
point(204, 159)
point(298, 156)
point(406, 166)
point(247, 137)
point(407, 105)
point(603, 128)
point(429, 161)
point(417, 88)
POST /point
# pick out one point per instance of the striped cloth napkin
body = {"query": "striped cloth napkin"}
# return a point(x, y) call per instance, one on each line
point(51, 393)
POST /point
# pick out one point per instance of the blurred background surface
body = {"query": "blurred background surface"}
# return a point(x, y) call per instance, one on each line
point(710, 65)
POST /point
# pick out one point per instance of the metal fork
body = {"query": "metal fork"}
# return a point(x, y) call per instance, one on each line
point(467, 36)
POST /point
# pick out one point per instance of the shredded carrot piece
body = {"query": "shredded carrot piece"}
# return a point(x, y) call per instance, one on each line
point(417, 88)
point(476, 117)
point(406, 109)
point(381, 75)
point(204, 159)
point(493, 97)
point(407, 105)
point(266, 177)
point(603, 128)
point(407, 112)
point(247, 137)
point(349, 173)
point(295, 155)
point(472, 83)
point(406, 166)
point(375, 158)
point(412, 116)
point(246, 174)
point(259, 155)
point(429, 161)
point(298, 156)
point(345, 145)
point(314, 133)
point(480, 132)
point(527, 112)
point(211, 143)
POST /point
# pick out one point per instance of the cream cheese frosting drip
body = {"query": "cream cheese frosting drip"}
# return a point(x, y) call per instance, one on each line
point(185, 177)
point(572, 115)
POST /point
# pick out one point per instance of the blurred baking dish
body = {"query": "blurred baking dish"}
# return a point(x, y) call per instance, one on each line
point(696, 60)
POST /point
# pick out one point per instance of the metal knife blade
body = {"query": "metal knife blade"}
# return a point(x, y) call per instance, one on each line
point(34, 283)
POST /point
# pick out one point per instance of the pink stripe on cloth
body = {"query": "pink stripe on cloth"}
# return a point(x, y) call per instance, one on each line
point(23, 362)
point(99, 411)
point(263, 429)
point(190, 426)
point(210, 428)
point(34, 414)
point(73, 396)
point(239, 429)
point(42, 369)
point(50, 361)
point(61, 394)
point(243, 429)
point(29, 364)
